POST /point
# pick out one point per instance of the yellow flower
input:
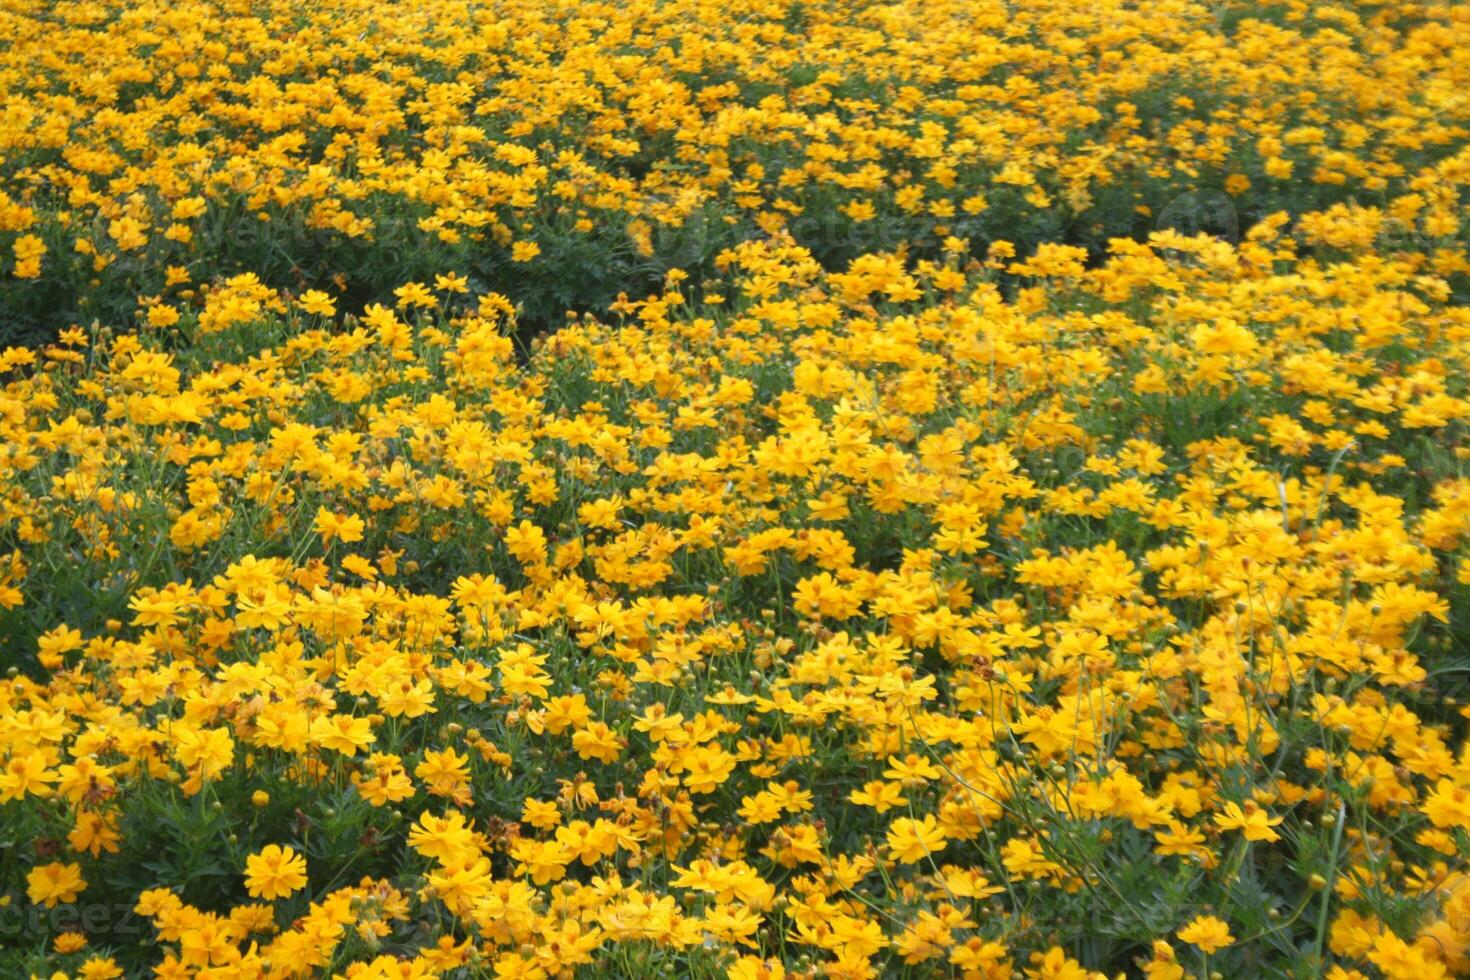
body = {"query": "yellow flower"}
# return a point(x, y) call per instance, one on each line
point(99, 968)
point(1253, 821)
point(912, 840)
point(541, 814)
point(1206, 932)
point(274, 872)
point(28, 251)
point(342, 733)
point(707, 768)
point(755, 968)
point(317, 302)
point(209, 750)
point(24, 774)
point(55, 883)
point(879, 795)
point(598, 741)
point(346, 528)
point(1448, 805)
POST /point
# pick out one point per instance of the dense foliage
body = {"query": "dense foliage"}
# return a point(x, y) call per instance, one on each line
point(921, 553)
point(564, 152)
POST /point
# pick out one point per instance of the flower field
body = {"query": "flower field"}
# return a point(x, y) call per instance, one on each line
point(804, 489)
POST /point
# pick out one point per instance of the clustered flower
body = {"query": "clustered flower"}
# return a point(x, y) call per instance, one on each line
point(965, 605)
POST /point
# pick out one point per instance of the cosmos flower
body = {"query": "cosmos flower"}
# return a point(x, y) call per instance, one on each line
point(274, 872)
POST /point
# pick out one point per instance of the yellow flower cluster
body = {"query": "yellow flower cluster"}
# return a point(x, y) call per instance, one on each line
point(584, 146)
point(816, 620)
point(1012, 591)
